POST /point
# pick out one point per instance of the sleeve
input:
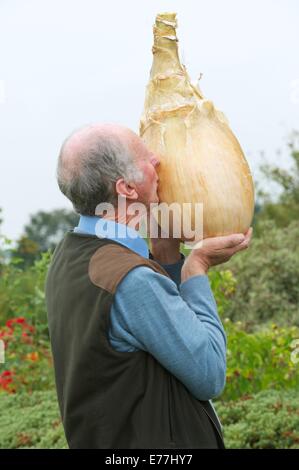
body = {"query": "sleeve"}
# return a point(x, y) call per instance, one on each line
point(179, 327)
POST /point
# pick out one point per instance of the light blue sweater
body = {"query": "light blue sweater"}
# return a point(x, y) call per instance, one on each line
point(175, 322)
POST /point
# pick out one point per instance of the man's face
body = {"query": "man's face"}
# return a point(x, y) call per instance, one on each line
point(147, 162)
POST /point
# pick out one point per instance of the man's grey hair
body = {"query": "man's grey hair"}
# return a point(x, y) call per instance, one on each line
point(91, 180)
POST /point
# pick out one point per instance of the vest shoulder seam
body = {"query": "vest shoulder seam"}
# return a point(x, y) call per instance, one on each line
point(110, 263)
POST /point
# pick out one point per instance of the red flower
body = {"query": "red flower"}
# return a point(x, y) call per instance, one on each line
point(9, 323)
point(19, 321)
point(6, 333)
point(33, 356)
point(6, 373)
point(26, 338)
point(6, 380)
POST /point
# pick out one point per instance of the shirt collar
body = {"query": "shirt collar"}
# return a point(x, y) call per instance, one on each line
point(121, 233)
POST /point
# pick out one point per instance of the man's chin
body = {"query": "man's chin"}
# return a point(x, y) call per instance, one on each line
point(150, 202)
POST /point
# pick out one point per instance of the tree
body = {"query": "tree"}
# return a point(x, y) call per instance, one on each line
point(25, 253)
point(5, 247)
point(48, 228)
point(2, 252)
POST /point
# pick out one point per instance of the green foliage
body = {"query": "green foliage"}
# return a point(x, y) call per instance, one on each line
point(22, 292)
point(286, 209)
point(28, 361)
point(26, 252)
point(281, 214)
point(267, 278)
point(41, 234)
point(268, 420)
point(46, 229)
point(31, 421)
point(5, 248)
point(259, 361)
point(258, 286)
point(223, 285)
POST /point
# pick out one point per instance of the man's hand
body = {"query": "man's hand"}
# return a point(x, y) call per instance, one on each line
point(214, 251)
point(166, 250)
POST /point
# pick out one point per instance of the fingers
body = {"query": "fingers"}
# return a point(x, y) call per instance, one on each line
point(248, 235)
point(221, 249)
point(231, 241)
point(247, 239)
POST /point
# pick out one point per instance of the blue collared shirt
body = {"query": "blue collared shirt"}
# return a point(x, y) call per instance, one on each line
point(175, 322)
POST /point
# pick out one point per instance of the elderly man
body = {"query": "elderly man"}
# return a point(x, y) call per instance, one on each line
point(139, 350)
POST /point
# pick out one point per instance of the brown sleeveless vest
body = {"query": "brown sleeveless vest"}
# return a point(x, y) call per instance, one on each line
point(110, 399)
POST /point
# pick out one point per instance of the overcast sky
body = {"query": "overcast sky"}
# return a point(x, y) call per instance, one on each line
point(68, 63)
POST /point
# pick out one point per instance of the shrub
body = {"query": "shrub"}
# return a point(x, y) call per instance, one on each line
point(267, 279)
point(28, 360)
point(31, 421)
point(259, 361)
point(255, 361)
point(22, 293)
point(223, 285)
point(286, 208)
point(267, 420)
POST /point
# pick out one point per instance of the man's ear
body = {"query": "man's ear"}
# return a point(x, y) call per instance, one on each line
point(125, 189)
